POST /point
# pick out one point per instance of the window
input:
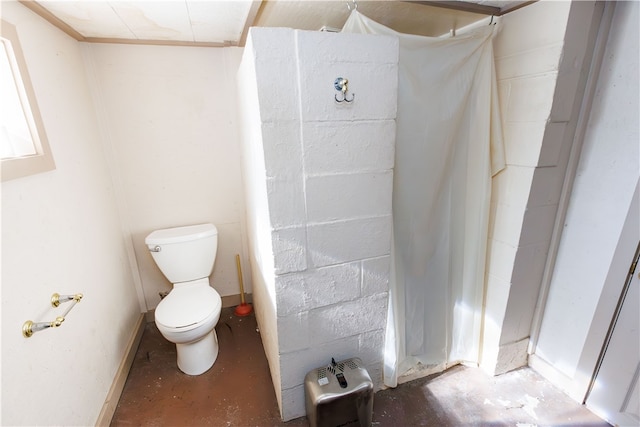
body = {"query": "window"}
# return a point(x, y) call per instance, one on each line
point(24, 149)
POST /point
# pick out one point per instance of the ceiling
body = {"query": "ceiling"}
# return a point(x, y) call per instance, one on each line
point(226, 23)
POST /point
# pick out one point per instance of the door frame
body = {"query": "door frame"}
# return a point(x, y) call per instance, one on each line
point(614, 321)
point(578, 385)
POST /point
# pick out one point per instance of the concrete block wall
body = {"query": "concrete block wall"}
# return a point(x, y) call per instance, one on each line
point(328, 176)
point(527, 63)
point(541, 76)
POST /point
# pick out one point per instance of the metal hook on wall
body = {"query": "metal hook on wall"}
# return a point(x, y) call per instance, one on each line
point(341, 85)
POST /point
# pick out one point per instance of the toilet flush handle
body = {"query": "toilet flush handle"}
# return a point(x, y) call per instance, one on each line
point(156, 248)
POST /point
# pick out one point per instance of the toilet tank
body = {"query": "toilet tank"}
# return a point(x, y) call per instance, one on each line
point(184, 253)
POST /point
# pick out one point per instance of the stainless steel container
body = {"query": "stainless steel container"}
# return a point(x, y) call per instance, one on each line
point(340, 394)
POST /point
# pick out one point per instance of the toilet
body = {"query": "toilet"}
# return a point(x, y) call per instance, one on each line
point(188, 315)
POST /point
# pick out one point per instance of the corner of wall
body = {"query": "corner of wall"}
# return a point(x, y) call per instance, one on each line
point(257, 214)
point(568, 56)
point(108, 148)
point(526, 195)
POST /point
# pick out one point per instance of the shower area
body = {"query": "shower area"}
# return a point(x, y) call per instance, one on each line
point(383, 215)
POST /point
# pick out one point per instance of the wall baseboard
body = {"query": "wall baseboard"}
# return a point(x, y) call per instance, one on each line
point(111, 402)
point(573, 388)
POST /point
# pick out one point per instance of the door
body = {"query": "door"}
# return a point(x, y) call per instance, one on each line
point(615, 392)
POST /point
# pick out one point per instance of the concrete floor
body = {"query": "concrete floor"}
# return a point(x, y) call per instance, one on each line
point(237, 391)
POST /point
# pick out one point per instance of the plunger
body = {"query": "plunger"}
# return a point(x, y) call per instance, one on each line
point(243, 309)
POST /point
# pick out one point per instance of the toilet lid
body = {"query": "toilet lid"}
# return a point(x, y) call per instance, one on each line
point(185, 307)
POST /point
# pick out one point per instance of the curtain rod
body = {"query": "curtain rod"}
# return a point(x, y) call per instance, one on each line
point(464, 6)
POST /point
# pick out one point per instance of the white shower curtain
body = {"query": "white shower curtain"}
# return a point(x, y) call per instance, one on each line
point(448, 145)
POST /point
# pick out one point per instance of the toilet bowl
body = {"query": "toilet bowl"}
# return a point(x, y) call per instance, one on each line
point(187, 316)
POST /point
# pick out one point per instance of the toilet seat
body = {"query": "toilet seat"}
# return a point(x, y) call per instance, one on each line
point(187, 307)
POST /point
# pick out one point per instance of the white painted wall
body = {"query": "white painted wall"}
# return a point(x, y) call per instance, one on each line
point(61, 233)
point(170, 123)
point(607, 175)
point(257, 215)
point(527, 62)
point(544, 197)
point(326, 178)
point(541, 82)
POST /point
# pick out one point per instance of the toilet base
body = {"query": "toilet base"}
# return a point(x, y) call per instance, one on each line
point(197, 357)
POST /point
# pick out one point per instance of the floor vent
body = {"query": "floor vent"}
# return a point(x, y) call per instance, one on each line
point(352, 364)
point(322, 373)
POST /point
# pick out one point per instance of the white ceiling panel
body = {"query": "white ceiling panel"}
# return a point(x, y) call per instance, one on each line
point(90, 18)
point(155, 20)
point(160, 20)
point(218, 21)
